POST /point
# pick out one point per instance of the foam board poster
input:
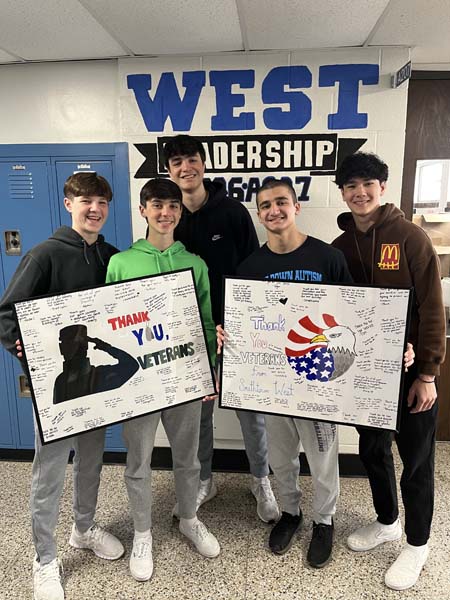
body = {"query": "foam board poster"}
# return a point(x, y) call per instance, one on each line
point(110, 353)
point(322, 352)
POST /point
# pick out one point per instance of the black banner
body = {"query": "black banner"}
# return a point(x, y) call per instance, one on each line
point(318, 154)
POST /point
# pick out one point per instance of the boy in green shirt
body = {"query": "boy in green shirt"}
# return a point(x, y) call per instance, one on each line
point(161, 207)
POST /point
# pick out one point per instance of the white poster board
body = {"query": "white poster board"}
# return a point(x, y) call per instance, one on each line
point(106, 354)
point(323, 352)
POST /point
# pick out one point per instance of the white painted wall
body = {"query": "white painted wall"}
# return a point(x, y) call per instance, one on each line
point(90, 102)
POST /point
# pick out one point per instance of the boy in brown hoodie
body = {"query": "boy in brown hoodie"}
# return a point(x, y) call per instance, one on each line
point(383, 248)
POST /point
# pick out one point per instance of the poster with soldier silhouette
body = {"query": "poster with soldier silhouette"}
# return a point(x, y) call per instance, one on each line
point(322, 352)
point(110, 353)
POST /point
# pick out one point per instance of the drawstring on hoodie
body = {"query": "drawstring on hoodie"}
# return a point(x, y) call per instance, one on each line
point(68, 235)
point(100, 258)
point(361, 259)
point(85, 252)
point(164, 260)
point(97, 250)
point(169, 260)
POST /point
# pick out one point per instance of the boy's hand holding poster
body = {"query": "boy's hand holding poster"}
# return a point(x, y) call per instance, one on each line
point(106, 354)
point(324, 352)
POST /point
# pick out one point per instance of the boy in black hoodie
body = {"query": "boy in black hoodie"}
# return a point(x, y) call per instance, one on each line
point(221, 231)
point(383, 248)
point(72, 258)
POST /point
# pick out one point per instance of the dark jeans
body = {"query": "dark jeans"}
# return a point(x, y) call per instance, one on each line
point(415, 442)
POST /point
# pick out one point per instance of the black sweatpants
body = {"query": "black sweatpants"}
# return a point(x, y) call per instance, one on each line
point(416, 443)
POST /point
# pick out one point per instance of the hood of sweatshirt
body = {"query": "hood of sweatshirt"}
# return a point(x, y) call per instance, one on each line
point(386, 213)
point(72, 237)
point(67, 235)
point(166, 260)
point(216, 194)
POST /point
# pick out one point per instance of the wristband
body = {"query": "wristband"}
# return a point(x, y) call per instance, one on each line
point(425, 380)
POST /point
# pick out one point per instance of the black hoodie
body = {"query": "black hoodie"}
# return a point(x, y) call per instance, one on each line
point(222, 233)
point(63, 263)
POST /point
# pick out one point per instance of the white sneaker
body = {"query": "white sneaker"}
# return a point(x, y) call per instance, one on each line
point(141, 559)
point(103, 544)
point(203, 540)
point(266, 505)
point(371, 536)
point(405, 571)
point(206, 491)
point(47, 580)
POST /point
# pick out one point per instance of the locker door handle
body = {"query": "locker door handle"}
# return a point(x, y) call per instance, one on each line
point(24, 386)
point(13, 244)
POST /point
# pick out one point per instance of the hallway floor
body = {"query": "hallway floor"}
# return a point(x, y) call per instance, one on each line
point(245, 570)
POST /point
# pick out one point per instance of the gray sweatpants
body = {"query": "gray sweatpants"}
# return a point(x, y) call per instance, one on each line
point(182, 425)
point(320, 442)
point(48, 474)
point(255, 441)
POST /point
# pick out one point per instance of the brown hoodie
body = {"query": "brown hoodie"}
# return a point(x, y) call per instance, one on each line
point(396, 253)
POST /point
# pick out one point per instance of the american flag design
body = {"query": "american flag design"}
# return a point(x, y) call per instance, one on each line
point(320, 352)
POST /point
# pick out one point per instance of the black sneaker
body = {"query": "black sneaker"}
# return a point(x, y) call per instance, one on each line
point(319, 552)
point(282, 535)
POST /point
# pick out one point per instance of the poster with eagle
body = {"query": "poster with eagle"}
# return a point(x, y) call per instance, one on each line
point(322, 352)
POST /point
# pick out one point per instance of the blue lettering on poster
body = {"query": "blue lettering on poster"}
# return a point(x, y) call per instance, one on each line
point(273, 92)
point(296, 275)
point(348, 78)
point(277, 88)
point(167, 101)
point(226, 101)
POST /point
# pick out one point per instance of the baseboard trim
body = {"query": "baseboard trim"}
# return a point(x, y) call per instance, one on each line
point(231, 461)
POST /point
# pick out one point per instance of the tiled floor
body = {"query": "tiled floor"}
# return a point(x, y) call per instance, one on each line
point(246, 569)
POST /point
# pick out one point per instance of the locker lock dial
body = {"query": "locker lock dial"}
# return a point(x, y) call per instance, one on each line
point(12, 243)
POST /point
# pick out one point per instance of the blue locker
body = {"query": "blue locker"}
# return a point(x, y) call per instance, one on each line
point(7, 438)
point(31, 193)
point(25, 194)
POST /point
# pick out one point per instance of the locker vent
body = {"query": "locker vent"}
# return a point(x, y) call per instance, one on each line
point(21, 186)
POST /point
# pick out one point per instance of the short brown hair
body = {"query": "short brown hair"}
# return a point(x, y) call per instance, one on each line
point(273, 183)
point(87, 183)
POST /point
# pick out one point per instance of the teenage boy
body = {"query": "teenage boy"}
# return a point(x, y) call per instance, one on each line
point(383, 248)
point(72, 258)
point(161, 207)
point(288, 249)
point(221, 231)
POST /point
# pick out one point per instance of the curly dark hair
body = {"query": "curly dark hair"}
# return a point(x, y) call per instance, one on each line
point(365, 165)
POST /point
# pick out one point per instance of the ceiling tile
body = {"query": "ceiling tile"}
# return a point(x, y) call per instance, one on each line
point(171, 26)
point(309, 24)
point(6, 58)
point(422, 25)
point(53, 30)
point(412, 22)
point(37, 30)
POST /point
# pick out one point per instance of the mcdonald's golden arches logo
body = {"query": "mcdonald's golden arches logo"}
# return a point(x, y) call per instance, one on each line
point(389, 257)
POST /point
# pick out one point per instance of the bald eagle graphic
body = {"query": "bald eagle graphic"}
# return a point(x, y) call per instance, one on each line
point(321, 353)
